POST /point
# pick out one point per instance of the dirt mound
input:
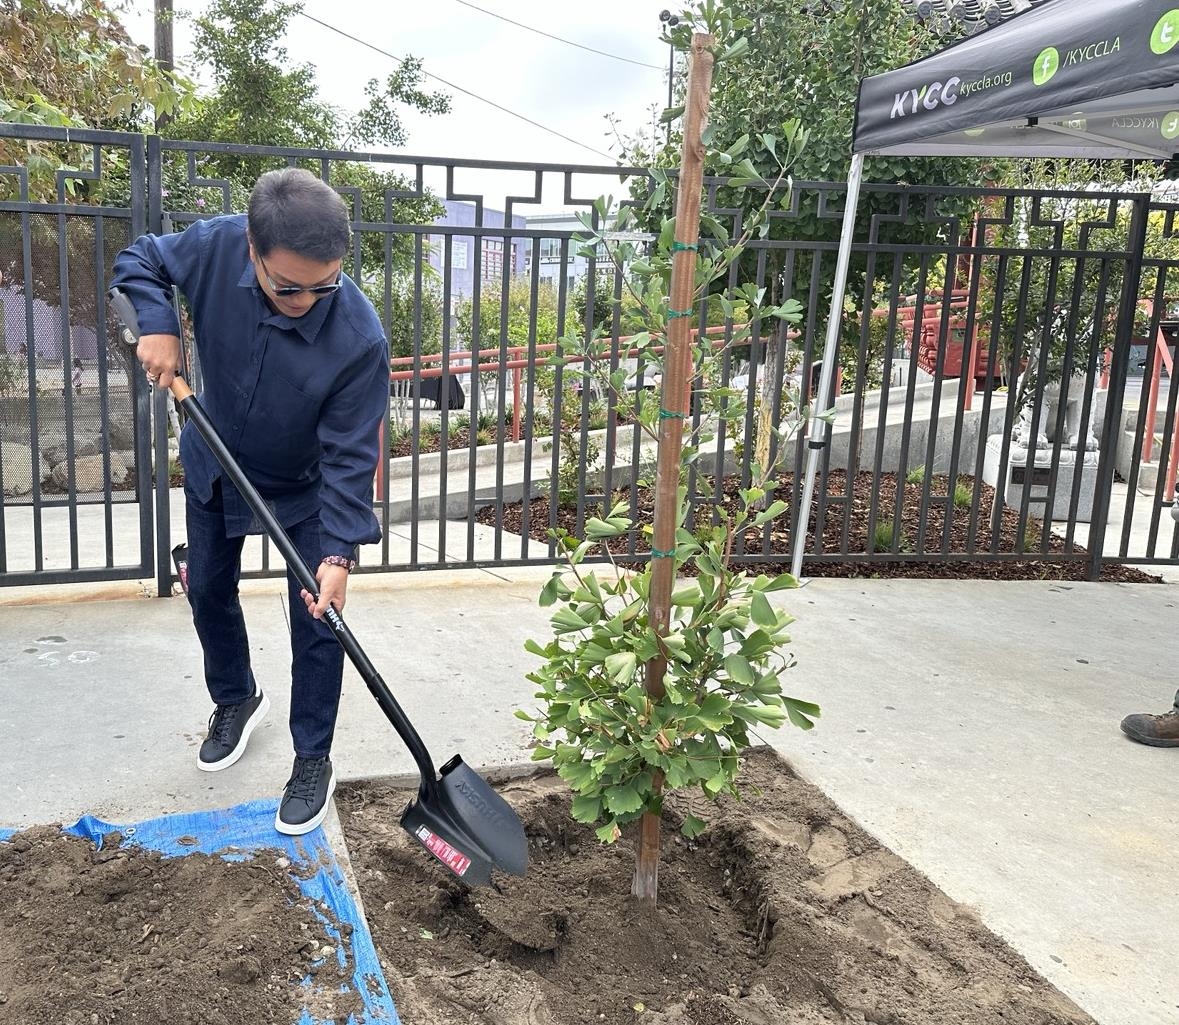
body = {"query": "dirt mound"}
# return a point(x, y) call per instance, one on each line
point(122, 934)
point(783, 913)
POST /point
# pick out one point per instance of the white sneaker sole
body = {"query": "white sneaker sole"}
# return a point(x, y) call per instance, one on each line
point(251, 724)
point(299, 829)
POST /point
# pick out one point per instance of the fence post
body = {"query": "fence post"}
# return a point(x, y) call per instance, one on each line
point(1119, 370)
point(515, 403)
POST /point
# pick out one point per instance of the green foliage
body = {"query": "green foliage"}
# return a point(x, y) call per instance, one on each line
point(618, 746)
point(73, 65)
point(14, 375)
point(883, 536)
point(400, 305)
point(603, 311)
point(802, 65)
point(963, 497)
point(619, 739)
point(521, 298)
point(261, 98)
point(915, 475)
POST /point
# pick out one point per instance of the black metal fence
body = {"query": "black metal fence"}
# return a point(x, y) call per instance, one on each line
point(991, 404)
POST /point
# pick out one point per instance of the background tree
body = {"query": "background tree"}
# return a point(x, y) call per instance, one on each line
point(73, 65)
point(803, 64)
point(260, 98)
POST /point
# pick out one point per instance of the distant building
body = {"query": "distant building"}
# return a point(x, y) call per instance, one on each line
point(487, 253)
point(559, 259)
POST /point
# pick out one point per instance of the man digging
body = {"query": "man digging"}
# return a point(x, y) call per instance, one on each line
point(295, 375)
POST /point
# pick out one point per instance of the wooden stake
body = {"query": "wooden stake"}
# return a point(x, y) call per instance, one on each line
point(678, 371)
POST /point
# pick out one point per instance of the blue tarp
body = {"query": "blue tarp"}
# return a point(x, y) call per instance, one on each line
point(234, 833)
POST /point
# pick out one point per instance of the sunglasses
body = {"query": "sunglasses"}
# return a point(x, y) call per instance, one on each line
point(285, 291)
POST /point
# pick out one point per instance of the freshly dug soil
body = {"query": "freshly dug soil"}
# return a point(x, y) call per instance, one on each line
point(122, 934)
point(784, 912)
point(948, 559)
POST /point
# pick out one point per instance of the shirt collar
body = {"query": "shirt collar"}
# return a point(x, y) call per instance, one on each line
point(308, 325)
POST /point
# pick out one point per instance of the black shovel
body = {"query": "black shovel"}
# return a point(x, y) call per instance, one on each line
point(457, 817)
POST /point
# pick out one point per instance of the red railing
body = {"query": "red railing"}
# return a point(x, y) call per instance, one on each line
point(1162, 359)
point(515, 358)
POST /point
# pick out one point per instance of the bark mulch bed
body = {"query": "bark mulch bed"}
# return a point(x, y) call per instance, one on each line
point(949, 562)
point(783, 912)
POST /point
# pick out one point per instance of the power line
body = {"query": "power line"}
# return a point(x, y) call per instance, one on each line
point(548, 35)
point(459, 88)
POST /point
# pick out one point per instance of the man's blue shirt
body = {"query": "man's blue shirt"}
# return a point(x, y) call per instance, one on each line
point(299, 401)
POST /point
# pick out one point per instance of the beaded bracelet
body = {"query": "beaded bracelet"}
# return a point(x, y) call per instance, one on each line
point(339, 560)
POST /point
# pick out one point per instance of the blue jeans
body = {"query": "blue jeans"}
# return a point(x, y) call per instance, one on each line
point(317, 660)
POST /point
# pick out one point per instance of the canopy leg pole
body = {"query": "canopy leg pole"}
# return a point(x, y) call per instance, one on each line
point(818, 431)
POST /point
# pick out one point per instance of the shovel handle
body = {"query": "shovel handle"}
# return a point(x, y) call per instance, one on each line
point(295, 562)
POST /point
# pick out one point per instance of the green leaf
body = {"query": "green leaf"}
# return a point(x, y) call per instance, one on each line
point(598, 529)
point(609, 832)
point(739, 146)
point(636, 697)
point(670, 114)
point(716, 712)
point(735, 49)
point(623, 800)
point(716, 640)
point(771, 512)
point(762, 612)
point(690, 596)
point(770, 715)
point(587, 808)
point(567, 621)
point(801, 712)
point(621, 665)
point(548, 594)
point(521, 714)
point(781, 582)
point(739, 669)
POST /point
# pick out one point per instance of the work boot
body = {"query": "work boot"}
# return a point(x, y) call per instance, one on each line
point(1155, 730)
point(305, 800)
point(230, 727)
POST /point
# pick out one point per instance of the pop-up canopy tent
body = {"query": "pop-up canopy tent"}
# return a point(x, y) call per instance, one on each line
point(1069, 78)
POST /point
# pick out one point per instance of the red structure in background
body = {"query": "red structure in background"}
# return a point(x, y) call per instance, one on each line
point(929, 328)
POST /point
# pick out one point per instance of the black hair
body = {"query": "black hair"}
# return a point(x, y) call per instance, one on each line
point(292, 209)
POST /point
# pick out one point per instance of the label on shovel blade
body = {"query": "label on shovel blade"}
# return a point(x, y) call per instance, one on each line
point(454, 860)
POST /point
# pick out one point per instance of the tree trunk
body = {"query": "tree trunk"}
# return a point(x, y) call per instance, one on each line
point(677, 372)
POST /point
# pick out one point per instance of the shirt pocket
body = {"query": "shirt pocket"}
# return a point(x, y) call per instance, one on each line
point(281, 429)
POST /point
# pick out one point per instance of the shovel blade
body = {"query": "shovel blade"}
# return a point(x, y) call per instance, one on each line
point(467, 826)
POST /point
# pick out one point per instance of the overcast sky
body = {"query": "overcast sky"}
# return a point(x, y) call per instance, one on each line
point(564, 88)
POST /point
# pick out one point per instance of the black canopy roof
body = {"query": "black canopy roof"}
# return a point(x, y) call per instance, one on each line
point(1095, 78)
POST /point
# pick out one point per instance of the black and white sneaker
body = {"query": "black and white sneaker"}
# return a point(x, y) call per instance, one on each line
point(230, 727)
point(305, 800)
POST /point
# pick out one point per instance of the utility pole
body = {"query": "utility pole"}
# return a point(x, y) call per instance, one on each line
point(163, 50)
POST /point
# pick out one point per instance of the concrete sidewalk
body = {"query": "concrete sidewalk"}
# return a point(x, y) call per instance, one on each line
point(972, 727)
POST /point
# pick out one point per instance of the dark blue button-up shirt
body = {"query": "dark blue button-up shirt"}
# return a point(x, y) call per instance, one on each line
point(298, 400)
